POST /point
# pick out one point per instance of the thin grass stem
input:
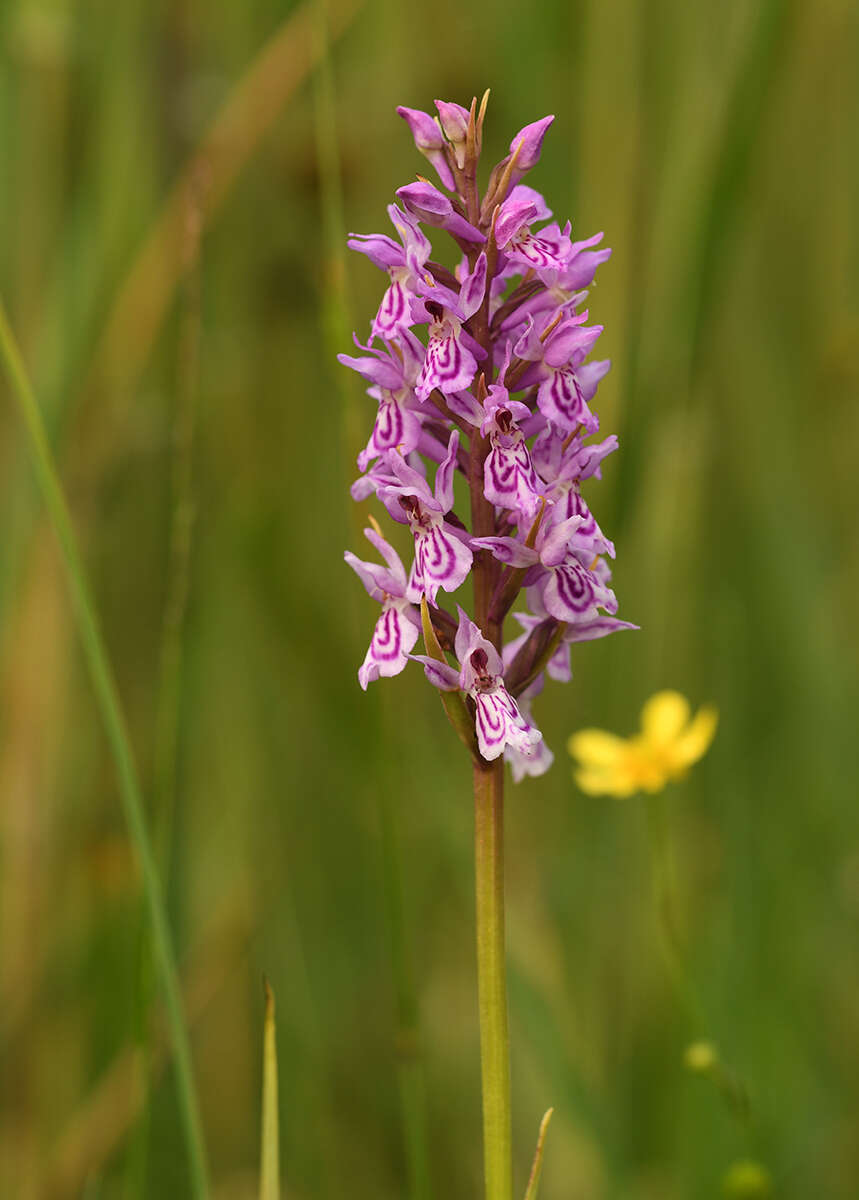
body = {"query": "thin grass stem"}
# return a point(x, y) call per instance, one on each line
point(664, 891)
point(168, 706)
point(731, 1088)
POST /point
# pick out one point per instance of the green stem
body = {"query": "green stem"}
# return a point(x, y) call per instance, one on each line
point(730, 1086)
point(663, 897)
point(117, 736)
point(168, 706)
point(491, 980)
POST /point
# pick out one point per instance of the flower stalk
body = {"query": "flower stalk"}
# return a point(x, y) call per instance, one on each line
point(492, 979)
point(481, 373)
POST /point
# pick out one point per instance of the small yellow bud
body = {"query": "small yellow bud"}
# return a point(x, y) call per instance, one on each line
point(747, 1180)
point(701, 1057)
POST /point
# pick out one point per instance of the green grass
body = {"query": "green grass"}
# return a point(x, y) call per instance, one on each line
point(714, 145)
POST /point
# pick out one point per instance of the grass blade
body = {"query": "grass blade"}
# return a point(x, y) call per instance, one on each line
point(537, 1166)
point(108, 702)
point(269, 1184)
point(248, 113)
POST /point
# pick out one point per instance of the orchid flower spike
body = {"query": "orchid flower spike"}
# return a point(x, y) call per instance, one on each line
point(483, 403)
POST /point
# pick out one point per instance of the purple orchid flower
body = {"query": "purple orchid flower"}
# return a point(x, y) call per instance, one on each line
point(509, 478)
point(567, 467)
point(398, 625)
point(498, 721)
point(393, 372)
point(564, 385)
point(559, 578)
point(563, 289)
point(581, 265)
point(548, 250)
point(573, 590)
point(452, 356)
point(404, 265)
point(442, 555)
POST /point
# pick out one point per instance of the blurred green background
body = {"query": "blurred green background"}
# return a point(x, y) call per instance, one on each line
point(206, 439)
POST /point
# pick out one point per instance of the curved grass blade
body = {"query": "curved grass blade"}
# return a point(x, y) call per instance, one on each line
point(108, 702)
point(248, 113)
point(537, 1166)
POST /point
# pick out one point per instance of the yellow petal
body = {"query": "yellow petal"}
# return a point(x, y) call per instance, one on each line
point(595, 782)
point(663, 718)
point(695, 741)
point(596, 748)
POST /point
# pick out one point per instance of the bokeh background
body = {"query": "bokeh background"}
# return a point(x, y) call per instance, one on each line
point(176, 180)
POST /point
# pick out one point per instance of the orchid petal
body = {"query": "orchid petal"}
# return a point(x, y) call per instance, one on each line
point(393, 638)
point(441, 675)
point(377, 370)
point(441, 560)
point(473, 287)
point(507, 550)
point(444, 474)
point(554, 542)
point(498, 723)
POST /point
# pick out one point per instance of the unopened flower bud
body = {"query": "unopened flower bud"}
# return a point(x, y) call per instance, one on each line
point(454, 122)
point(747, 1180)
point(429, 140)
point(428, 204)
point(530, 143)
point(701, 1057)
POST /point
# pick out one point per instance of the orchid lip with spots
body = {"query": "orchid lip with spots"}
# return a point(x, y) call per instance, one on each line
point(479, 362)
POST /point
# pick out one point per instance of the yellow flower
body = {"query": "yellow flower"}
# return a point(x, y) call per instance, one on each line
point(668, 745)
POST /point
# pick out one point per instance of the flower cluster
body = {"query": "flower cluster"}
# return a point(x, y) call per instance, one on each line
point(481, 370)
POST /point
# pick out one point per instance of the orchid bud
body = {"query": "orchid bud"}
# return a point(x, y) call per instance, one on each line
point(430, 205)
point(429, 141)
point(529, 143)
point(453, 119)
